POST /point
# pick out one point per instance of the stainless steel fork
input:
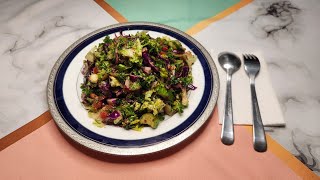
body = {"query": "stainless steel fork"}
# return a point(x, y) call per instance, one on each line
point(252, 67)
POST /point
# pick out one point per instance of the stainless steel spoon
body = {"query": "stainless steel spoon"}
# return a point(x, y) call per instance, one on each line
point(230, 63)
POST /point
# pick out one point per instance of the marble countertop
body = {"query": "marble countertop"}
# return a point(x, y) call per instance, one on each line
point(34, 33)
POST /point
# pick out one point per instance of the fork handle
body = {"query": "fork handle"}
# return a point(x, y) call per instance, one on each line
point(227, 136)
point(259, 138)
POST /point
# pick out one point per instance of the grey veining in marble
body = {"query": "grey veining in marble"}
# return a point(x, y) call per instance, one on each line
point(293, 29)
point(307, 147)
point(275, 19)
point(287, 33)
point(33, 34)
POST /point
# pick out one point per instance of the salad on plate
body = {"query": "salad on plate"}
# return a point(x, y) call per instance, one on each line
point(133, 81)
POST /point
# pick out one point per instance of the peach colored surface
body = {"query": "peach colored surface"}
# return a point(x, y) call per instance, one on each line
point(45, 154)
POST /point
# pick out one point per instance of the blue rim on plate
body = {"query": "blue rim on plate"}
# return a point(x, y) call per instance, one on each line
point(61, 113)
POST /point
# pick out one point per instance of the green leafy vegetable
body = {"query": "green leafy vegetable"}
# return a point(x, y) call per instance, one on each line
point(133, 81)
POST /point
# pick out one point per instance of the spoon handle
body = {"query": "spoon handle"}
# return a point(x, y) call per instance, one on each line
point(259, 138)
point(227, 136)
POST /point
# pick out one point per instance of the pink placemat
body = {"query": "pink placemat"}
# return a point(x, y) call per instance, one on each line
point(46, 154)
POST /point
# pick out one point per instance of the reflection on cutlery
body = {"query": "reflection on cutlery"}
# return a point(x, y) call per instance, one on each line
point(252, 67)
point(230, 63)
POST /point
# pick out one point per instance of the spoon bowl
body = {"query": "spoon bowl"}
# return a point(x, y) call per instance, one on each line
point(229, 62)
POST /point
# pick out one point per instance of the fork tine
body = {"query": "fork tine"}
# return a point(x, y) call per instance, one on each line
point(250, 57)
point(254, 57)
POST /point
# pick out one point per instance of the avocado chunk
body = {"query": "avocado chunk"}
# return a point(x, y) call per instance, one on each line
point(149, 119)
point(90, 56)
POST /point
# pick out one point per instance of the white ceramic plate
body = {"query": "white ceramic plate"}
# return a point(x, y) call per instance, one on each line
point(69, 114)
